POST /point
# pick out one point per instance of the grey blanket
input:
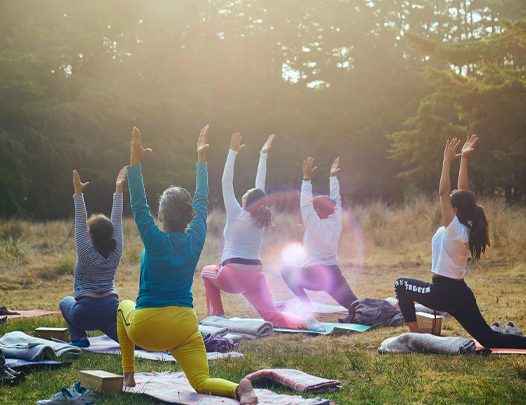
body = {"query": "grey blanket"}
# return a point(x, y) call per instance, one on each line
point(18, 345)
point(247, 327)
point(214, 331)
point(426, 343)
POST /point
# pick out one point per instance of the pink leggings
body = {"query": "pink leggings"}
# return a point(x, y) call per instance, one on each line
point(253, 285)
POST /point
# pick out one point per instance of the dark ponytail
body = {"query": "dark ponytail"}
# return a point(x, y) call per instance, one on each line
point(101, 233)
point(473, 216)
point(478, 233)
point(255, 204)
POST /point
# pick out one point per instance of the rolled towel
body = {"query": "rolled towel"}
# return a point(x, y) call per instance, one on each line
point(426, 343)
point(242, 326)
point(296, 380)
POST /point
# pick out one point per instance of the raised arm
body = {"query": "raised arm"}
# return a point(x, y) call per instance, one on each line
point(467, 151)
point(310, 218)
point(232, 206)
point(444, 189)
point(116, 211)
point(150, 233)
point(261, 174)
point(334, 184)
point(198, 224)
point(82, 239)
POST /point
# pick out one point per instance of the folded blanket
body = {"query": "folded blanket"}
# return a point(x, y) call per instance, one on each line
point(296, 380)
point(426, 343)
point(241, 326)
point(173, 387)
point(18, 345)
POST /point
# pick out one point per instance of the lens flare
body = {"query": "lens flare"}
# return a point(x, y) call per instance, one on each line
point(293, 254)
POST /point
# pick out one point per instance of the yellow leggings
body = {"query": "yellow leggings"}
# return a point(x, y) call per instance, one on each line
point(174, 329)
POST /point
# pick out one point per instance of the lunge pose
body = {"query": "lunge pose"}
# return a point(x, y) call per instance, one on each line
point(99, 248)
point(322, 217)
point(164, 318)
point(241, 270)
point(464, 233)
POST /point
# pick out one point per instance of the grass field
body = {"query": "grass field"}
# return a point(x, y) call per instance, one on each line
point(380, 243)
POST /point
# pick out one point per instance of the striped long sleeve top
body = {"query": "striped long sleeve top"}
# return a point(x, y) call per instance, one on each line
point(94, 273)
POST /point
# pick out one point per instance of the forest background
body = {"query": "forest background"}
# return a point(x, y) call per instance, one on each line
point(380, 83)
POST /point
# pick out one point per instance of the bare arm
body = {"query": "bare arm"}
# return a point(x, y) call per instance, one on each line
point(467, 150)
point(445, 181)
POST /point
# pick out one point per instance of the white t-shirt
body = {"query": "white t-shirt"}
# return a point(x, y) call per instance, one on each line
point(450, 250)
point(322, 236)
point(242, 238)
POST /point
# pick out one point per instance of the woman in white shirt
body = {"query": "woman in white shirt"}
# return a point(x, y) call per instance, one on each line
point(241, 270)
point(464, 233)
point(322, 218)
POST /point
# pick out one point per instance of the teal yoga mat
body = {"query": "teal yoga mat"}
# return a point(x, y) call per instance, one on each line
point(331, 328)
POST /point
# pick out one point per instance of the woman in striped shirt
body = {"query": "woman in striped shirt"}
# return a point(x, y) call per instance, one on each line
point(98, 242)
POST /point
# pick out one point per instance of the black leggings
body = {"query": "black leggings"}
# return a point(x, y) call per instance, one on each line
point(319, 277)
point(456, 298)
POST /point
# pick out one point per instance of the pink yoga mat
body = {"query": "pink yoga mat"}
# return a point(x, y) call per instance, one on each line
point(32, 313)
point(173, 387)
point(500, 350)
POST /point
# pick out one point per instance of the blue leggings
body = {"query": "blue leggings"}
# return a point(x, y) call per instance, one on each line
point(90, 313)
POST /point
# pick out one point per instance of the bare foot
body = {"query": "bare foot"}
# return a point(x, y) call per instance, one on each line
point(129, 380)
point(246, 393)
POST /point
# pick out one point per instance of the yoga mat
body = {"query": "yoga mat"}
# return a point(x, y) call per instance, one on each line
point(173, 387)
point(479, 348)
point(331, 328)
point(295, 306)
point(16, 363)
point(105, 345)
point(32, 313)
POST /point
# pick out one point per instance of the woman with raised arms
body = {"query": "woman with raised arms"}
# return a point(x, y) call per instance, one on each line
point(163, 317)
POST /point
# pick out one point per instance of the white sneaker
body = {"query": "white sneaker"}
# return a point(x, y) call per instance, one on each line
point(511, 329)
point(496, 327)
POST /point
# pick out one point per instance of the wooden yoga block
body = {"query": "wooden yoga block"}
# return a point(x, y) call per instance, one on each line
point(101, 381)
point(48, 333)
point(428, 324)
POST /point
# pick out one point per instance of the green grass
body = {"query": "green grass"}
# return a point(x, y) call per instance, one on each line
point(389, 244)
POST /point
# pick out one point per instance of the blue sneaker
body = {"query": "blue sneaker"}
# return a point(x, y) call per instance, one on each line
point(80, 343)
point(75, 395)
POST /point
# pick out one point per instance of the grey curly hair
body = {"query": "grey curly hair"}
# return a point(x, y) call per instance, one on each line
point(175, 208)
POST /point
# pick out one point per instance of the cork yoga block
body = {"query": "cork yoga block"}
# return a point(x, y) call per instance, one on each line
point(56, 333)
point(101, 381)
point(428, 324)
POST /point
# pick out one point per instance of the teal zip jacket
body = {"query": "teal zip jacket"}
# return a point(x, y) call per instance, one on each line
point(169, 259)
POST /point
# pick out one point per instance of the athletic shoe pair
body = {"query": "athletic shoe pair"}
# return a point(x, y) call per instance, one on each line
point(75, 395)
point(509, 328)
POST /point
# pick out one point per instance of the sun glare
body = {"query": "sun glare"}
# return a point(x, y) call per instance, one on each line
point(293, 253)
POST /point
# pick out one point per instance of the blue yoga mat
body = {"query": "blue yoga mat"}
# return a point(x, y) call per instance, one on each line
point(331, 328)
point(16, 363)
